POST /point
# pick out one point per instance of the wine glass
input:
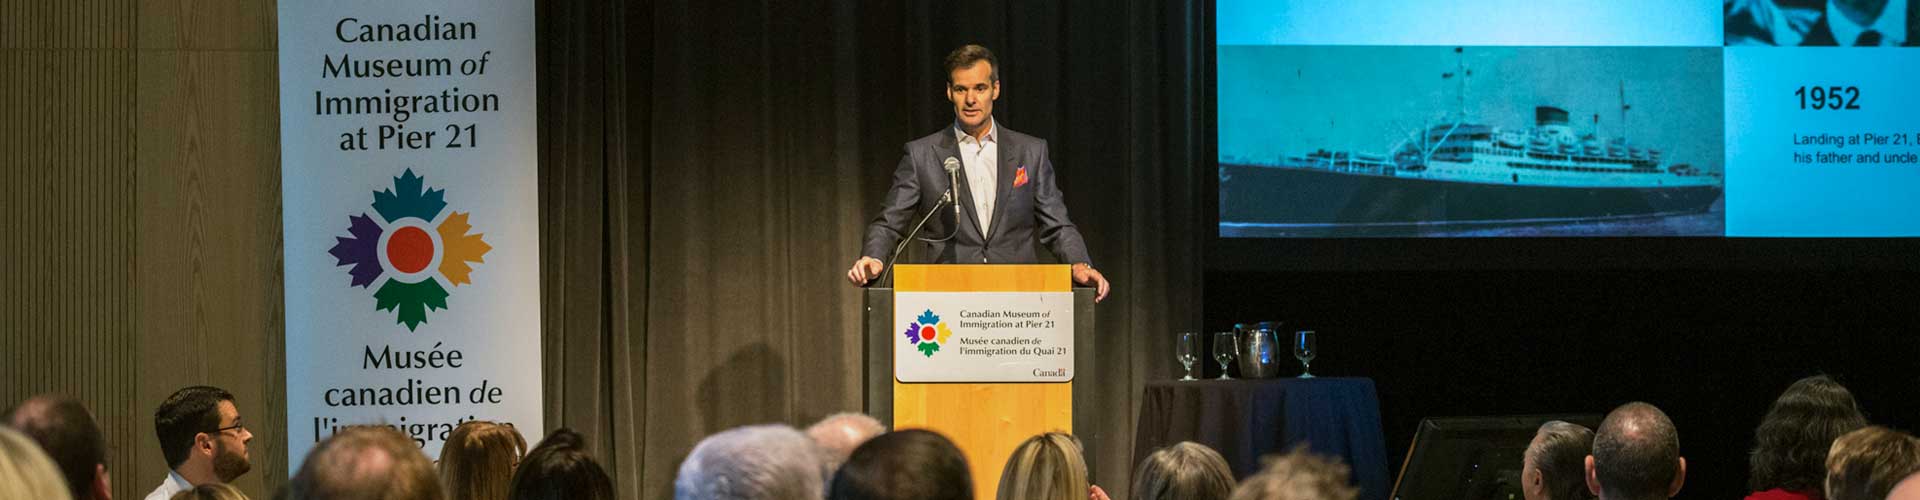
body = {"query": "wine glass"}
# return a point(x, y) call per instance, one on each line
point(1223, 351)
point(1188, 353)
point(1303, 350)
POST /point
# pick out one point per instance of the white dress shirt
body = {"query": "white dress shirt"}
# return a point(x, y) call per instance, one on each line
point(980, 159)
point(172, 484)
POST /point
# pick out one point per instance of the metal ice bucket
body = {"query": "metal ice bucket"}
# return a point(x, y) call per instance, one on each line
point(1259, 347)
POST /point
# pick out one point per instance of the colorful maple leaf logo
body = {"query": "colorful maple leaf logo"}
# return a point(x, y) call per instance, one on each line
point(927, 332)
point(409, 253)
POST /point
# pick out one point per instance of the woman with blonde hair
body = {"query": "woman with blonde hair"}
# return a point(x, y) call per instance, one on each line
point(478, 459)
point(1050, 466)
point(1184, 471)
point(211, 491)
point(26, 471)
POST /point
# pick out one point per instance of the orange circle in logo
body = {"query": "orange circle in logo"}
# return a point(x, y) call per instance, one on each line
point(410, 250)
point(926, 333)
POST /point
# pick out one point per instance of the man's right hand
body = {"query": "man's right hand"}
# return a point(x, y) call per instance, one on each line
point(865, 270)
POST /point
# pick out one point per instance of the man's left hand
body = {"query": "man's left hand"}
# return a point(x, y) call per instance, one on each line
point(1085, 274)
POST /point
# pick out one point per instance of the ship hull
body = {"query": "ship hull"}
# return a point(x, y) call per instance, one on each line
point(1310, 198)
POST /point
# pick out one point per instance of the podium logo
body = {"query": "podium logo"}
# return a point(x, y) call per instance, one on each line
point(407, 252)
point(927, 332)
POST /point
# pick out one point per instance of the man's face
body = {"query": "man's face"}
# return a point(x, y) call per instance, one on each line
point(1532, 485)
point(972, 90)
point(230, 444)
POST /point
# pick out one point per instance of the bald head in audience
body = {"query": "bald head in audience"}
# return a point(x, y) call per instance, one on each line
point(1908, 489)
point(66, 431)
point(1636, 455)
point(366, 463)
point(840, 433)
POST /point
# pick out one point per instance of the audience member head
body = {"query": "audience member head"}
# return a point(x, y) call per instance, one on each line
point(754, 462)
point(66, 431)
point(1908, 489)
point(211, 491)
point(1790, 446)
point(26, 471)
point(1048, 466)
point(202, 435)
point(366, 463)
point(1636, 455)
point(913, 464)
point(1867, 463)
point(1555, 465)
point(478, 458)
point(560, 469)
point(1184, 471)
point(1298, 475)
point(840, 433)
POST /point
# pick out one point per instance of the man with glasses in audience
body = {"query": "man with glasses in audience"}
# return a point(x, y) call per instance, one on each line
point(203, 439)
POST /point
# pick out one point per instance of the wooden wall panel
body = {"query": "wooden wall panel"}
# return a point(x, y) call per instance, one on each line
point(139, 192)
point(66, 24)
point(209, 242)
point(66, 243)
point(209, 24)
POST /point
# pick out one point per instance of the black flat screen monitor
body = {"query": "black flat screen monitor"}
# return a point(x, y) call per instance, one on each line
point(1471, 458)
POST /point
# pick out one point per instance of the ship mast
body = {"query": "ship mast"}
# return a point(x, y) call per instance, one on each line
point(1460, 69)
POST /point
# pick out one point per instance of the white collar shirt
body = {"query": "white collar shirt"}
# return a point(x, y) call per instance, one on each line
point(980, 159)
point(173, 484)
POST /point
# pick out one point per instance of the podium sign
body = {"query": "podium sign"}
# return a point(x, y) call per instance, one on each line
point(985, 417)
point(983, 336)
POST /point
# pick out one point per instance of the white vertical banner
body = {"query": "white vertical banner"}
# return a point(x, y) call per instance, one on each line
point(409, 191)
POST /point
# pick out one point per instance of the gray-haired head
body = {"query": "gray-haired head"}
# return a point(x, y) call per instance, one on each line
point(754, 462)
point(840, 433)
point(1559, 455)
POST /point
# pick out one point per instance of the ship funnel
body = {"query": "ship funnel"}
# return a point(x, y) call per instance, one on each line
point(1549, 115)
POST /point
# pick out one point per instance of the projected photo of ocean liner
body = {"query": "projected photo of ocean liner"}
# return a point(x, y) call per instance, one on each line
point(1457, 176)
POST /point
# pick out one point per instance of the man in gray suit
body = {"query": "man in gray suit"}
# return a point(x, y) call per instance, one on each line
point(1007, 194)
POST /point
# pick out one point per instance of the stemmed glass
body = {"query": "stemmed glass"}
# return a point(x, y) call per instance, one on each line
point(1223, 351)
point(1188, 353)
point(1303, 350)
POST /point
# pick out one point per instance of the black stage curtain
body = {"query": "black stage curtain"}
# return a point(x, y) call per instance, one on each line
point(707, 170)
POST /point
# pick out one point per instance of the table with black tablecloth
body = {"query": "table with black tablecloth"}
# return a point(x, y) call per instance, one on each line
point(1247, 419)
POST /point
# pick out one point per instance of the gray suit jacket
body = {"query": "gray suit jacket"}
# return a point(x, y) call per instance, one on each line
point(1033, 209)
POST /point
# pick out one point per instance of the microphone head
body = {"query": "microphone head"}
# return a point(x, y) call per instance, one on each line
point(952, 164)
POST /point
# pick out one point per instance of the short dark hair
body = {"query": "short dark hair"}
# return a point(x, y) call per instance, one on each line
point(337, 468)
point(188, 412)
point(1790, 445)
point(1868, 462)
point(899, 465)
point(560, 468)
point(1636, 452)
point(1561, 459)
point(66, 431)
point(965, 56)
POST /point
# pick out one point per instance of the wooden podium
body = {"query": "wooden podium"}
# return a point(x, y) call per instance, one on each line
point(986, 420)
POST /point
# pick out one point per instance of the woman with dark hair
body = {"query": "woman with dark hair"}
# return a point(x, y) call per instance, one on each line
point(1789, 455)
point(913, 464)
point(560, 469)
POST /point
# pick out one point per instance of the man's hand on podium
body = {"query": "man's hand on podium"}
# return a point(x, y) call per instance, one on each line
point(864, 270)
point(1085, 274)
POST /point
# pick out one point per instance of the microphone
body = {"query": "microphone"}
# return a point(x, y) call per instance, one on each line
point(950, 197)
point(953, 183)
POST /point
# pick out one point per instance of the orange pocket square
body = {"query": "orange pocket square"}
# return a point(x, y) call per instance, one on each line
point(1020, 177)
